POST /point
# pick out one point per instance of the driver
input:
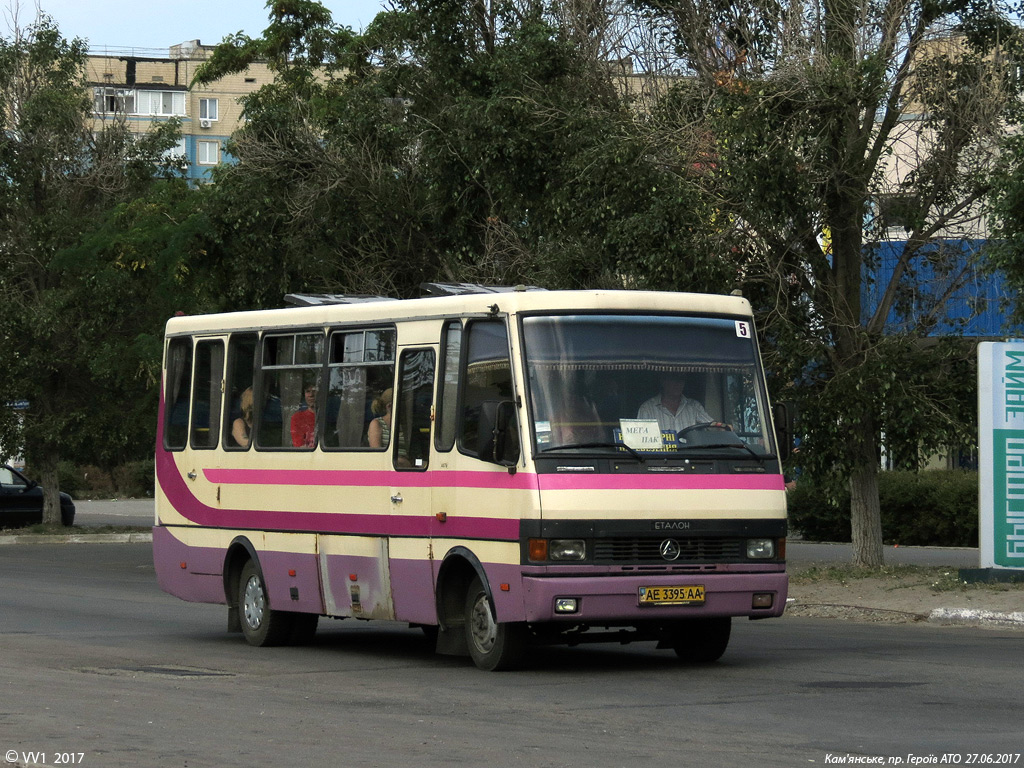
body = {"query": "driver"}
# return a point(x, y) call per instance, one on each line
point(672, 409)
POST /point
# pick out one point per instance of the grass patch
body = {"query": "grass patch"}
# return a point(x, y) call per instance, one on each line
point(61, 530)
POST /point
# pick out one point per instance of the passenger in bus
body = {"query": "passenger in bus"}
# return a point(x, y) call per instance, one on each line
point(672, 409)
point(241, 428)
point(304, 420)
point(379, 432)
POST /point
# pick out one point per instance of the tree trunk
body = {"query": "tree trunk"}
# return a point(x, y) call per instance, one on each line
point(865, 513)
point(48, 459)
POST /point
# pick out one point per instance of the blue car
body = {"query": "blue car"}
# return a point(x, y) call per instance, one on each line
point(21, 501)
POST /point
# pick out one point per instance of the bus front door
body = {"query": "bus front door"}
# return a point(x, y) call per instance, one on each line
point(410, 498)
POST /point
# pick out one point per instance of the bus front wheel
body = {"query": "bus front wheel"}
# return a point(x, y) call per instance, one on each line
point(492, 646)
point(261, 624)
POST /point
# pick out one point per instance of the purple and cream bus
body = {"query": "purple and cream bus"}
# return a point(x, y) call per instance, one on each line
point(503, 468)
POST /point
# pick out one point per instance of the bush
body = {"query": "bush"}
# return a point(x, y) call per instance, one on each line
point(135, 479)
point(930, 508)
point(132, 480)
point(69, 477)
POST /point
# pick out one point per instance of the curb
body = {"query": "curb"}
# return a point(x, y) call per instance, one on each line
point(78, 538)
point(965, 617)
point(962, 616)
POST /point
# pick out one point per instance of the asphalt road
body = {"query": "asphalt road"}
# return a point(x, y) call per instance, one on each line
point(115, 512)
point(98, 665)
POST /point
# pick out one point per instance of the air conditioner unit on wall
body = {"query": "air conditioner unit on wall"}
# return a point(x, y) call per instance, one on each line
point(204, 123)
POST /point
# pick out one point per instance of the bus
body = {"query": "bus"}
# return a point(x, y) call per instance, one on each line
point(504, 468)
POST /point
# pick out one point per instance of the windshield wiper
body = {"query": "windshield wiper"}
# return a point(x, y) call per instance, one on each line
point(743, 446)
point(635, 454)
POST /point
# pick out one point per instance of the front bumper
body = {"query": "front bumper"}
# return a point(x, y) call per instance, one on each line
point(615, 599)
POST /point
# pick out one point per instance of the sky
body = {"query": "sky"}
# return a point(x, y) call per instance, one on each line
point(150, 24)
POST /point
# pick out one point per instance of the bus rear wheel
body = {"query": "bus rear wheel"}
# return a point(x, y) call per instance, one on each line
point(492, 646)
point(261, 624)
point(701, 641)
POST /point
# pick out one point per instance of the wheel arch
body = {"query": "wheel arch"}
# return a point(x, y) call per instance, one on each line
point(457, 571)
point(239, 552)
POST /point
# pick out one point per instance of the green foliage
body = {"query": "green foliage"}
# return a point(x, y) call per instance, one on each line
point(806, 109)
point(931, 508)
point(921, 395)
point(1005, 248)
point(134, 479)
point(83, 292)
point(484, 146)
point(70, 478)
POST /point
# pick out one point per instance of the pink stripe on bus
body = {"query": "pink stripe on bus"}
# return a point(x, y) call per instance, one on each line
point(668, 482)
point(493, 480)
point(373, 478)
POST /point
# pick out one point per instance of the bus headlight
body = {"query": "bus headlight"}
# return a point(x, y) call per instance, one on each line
point(567, 549)
point(760, 549)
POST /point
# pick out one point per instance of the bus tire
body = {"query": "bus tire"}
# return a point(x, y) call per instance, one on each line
point(492, 646)
point(261, 625)
point(702, 641)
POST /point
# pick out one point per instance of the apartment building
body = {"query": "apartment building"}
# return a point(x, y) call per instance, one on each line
point(145, 86)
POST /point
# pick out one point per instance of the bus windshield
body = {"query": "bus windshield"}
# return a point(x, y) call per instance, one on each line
point(645, 384)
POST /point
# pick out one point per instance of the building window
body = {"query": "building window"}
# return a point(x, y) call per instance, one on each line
point(208, 152)
point(178, 150)
point(113, 101)
point(163, 103)
point(208, 109)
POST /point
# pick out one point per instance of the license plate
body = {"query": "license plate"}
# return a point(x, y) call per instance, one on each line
point(691, 595)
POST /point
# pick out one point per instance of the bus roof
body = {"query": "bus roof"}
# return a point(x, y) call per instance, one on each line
point(512, 302)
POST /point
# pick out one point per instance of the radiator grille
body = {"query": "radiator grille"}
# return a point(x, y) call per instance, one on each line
point(627, 549)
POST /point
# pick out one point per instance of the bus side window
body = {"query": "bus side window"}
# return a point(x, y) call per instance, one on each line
point(291, 366)
point(206, 394)
point(241, 361)
point(488, 378)
point(360, 367)
point(177, 393)
point(447, 393)
point(412, 412)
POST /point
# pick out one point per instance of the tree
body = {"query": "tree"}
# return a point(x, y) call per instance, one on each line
point(454, 140)
point(74, 315)
point(823, 115)
point(1006, 211)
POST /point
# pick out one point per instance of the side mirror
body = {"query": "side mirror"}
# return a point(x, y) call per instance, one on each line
point(498, 436)
point(782, 416)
